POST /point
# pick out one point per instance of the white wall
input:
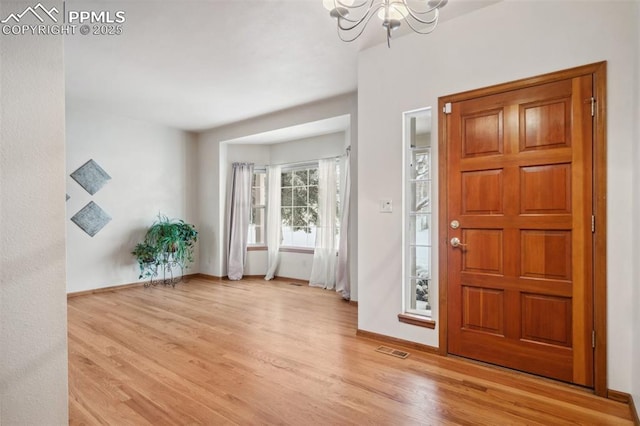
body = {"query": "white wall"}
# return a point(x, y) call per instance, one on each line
point(212, 162)
point(500, 43)
point(309, 149)
point(635, 254)
point(260, 155)
point(33, 304)
point(152, 169)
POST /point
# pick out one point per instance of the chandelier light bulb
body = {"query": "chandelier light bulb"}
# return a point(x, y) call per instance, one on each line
point(397, 11)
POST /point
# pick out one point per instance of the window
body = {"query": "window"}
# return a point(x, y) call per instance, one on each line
point(417, 208)
point(257, 221)
point(299, 206)
point(299, 201)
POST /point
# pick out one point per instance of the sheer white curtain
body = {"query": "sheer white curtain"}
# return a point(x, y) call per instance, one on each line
point(343, 285)
point(239, 216)
point(274, 234)
point(323, 269)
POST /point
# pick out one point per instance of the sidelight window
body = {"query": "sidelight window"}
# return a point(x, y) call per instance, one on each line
point(417, 213)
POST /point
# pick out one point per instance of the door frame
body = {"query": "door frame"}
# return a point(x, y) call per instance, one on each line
point(599, 72)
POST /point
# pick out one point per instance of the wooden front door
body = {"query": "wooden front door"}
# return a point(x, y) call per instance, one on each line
point(519, 242)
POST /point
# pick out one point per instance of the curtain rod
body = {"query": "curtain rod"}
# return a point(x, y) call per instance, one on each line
point(302, 163)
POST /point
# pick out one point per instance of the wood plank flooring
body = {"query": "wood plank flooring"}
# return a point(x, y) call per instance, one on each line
point(255, 352)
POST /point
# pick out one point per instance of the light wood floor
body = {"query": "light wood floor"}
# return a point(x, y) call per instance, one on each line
point(256, 352)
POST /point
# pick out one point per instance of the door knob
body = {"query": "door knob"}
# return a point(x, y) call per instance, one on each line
point(455, 242)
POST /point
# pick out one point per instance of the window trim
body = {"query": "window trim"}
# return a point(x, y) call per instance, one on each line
point(423, 318)
point(260, 170)
point(287, 168)
point(419, 320)
point(283, 249)
point(296, 249)
point(293, 167)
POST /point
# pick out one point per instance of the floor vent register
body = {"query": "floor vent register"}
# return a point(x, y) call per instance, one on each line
point(393, 352)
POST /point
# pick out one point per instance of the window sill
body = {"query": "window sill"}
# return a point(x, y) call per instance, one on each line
point(417, 320)
point(304, 250)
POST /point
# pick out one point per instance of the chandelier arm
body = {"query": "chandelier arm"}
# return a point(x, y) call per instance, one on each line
point(419, 31)
point(352, 6)
point(434, 20)
point(415, 10)
point(441, 3)
point(347, 30)
point(365, 18)
point(356, 22)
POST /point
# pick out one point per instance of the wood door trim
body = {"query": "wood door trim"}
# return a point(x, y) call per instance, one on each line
point(600, 235)
point(524, 83)
point(598, 71)
point(443, 231)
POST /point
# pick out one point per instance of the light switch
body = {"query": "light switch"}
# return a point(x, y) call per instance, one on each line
point(386, 206)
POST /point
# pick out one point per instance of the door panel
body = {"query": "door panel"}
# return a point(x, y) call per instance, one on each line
point(519, 182)
point(545, 189)
point(482, 134)
point(546, 319)
point(545, 254)
point(480, 304)
point(489, 259)
point(545, 124)
point(478, 201)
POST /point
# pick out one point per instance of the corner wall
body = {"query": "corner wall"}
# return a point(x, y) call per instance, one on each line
point(635, 224)
point(152, 169)
point(502, 42)
point(33, 303)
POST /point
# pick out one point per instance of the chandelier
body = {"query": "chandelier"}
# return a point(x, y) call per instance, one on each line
point(354, 15)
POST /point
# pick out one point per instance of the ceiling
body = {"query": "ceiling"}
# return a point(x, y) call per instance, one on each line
point(196, 65)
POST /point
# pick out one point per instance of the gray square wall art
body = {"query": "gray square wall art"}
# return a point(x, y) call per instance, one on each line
point(91, 218)
point(90, 176)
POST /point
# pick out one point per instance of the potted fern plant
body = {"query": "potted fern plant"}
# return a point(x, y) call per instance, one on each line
point(167, 241)
point(146, 255)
